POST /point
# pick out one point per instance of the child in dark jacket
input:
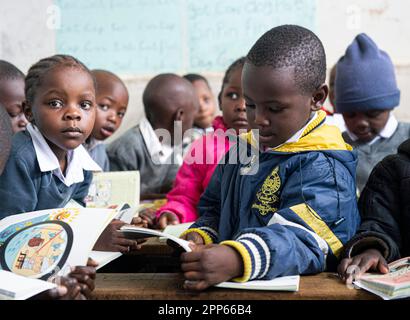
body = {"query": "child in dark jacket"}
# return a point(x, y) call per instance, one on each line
point(384, 205)
point(289, 205)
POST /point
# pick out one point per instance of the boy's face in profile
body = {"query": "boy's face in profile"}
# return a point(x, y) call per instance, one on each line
point(366, 125)
point(275, 105)
point(12, 98)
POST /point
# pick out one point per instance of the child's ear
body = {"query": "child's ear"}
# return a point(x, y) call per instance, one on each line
point(28, 112)
point(319, 97)
point(179, 115)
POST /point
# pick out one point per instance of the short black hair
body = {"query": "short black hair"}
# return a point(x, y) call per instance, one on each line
point(6, 133)
point(161, 88)
point(192, 77)
point(292, 46)
point(9, 71)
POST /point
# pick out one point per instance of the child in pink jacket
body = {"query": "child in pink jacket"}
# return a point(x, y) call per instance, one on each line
point(205, 153)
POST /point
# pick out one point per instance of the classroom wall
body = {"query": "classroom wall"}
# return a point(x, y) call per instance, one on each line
point(140, 38)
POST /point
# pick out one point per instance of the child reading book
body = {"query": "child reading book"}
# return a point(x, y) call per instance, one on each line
point(289, 209)
point(384, 205)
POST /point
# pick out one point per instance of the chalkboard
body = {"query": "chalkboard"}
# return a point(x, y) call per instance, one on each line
point(144, 37)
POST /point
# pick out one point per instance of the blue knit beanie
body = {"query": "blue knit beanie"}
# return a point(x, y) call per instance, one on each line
point(365, 78)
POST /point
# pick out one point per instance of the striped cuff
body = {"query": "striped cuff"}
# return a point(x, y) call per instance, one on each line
point(259, 253)
point(207, 234)
point(247, 264)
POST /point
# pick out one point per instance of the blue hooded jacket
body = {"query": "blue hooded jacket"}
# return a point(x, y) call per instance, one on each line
point(294, 214)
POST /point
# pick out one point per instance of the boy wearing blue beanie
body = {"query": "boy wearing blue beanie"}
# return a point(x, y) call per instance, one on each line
point(366, 93)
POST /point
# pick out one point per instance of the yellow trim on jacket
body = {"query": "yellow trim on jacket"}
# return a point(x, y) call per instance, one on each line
point(205, 236)
point(315, 222)
point(246, 258)
point(313, 138)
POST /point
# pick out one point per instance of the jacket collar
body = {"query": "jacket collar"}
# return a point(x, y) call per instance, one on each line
point(316, 136)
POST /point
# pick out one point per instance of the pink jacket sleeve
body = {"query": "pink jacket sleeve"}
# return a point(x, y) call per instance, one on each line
point(193, 177)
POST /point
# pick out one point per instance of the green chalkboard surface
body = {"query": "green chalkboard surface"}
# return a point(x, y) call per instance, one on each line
point(144, 37)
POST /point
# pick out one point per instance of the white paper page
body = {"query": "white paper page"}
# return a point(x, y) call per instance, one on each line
point(104, 257)
point(15, 287)
point(289, 283)
point(177, 229)
point(137, 232)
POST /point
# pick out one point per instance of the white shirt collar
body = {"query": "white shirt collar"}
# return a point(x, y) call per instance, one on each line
point(388, 130)
point(77, 159)
point(160, 153)
point(298, 134)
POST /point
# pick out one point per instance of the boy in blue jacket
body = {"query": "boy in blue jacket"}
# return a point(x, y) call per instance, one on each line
point(290, 209)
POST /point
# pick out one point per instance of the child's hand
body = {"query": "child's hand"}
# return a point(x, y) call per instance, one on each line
point(139, 222)
point(148, 217)
point(68, 289)
point(85, 277)
point(113, 240)
point(209, 265)
point(167, 218)
point(351, 269)
point(194, 237)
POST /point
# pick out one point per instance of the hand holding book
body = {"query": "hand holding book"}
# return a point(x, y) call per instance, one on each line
point(352, 268)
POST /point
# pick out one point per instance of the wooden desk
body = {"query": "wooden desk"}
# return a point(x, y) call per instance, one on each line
point(155, 256)
point(165, 286)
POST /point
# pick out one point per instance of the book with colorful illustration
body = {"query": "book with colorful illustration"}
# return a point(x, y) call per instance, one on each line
point(45, 244)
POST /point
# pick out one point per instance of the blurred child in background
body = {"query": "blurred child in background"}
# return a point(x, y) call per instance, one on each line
point(365, 94)
point(12, 94)
point(169, 100)
point(205, 153)
point(112, 102)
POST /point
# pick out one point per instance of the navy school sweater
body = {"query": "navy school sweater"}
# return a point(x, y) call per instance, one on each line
point(24, 188)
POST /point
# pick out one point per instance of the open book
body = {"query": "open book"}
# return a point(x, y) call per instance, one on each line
point(132, 232)
point(290, 283)
point(124, 213)
point(114, 188)
point(393, 285)
point(15, 287)
point(44, 244)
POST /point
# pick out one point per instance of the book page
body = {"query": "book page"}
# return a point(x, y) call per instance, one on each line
point(289, 283)
point(132, 232)
point(46, 243)
point(16, 287)
point(114, 188)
